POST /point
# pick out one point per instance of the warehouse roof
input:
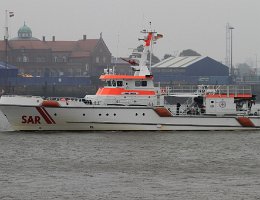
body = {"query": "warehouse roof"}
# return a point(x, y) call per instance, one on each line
point(178, 62)
point(3, 65)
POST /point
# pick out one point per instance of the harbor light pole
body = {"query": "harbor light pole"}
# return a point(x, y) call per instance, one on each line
point(231, 52)
point(256, 70)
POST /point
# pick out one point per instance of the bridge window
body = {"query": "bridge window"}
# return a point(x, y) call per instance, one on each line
point(137, 83)
point(140, 83)
point(119, 83)
point(114, 83)
point(109, 83)
point(143, 83)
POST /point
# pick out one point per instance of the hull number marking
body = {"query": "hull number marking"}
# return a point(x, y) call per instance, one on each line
point(31, 119)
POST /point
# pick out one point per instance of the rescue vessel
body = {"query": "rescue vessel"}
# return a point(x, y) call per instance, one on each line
point(132, 102)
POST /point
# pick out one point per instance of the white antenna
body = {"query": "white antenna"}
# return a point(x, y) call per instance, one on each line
point(151, 48)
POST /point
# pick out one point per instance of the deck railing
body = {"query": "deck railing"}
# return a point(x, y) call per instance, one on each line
point(206, 89)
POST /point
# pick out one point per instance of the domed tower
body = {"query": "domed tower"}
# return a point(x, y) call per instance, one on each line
point(24, 33)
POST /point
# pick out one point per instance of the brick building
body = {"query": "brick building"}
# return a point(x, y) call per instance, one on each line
point(85, 57)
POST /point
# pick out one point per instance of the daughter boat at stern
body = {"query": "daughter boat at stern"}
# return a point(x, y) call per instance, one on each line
point(132, 102)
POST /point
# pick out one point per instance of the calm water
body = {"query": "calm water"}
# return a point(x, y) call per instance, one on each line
point(129, 165)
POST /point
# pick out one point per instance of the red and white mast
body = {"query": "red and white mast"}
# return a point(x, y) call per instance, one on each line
point(142, 69)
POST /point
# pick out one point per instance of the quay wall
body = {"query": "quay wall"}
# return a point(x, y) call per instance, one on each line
point(47, 91)
point(48, 86)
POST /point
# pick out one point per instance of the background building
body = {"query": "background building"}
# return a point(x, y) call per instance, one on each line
point(50, 68)
point(190, 70)
point(85, 57)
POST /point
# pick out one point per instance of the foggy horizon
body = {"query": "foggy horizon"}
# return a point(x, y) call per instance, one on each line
point(199, 25)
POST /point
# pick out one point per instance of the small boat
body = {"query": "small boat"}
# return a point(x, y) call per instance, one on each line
point(132, 102)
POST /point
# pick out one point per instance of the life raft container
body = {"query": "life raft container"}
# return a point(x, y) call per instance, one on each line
point(50, 103)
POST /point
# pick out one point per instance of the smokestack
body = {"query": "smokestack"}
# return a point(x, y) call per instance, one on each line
point(84, 37)
point(43, 38)
point(53, 38)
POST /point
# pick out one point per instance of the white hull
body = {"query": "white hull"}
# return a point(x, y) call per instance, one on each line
point(114, 118)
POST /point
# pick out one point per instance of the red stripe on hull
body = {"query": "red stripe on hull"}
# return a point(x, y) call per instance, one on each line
point(245, 122)
point(45, 117)
point(48, 115)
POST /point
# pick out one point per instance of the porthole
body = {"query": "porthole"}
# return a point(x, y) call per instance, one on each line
point(99, 114)
point(84, 114)
point(136, 114)
point(55, 114)
point(107, 114)
point(114, 114)
point(143, 114)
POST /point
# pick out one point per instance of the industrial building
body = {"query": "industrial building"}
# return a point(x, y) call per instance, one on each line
point(191, 70)
point(7, 71)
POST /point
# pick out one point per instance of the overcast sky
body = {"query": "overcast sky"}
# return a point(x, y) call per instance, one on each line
point(186, 24)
